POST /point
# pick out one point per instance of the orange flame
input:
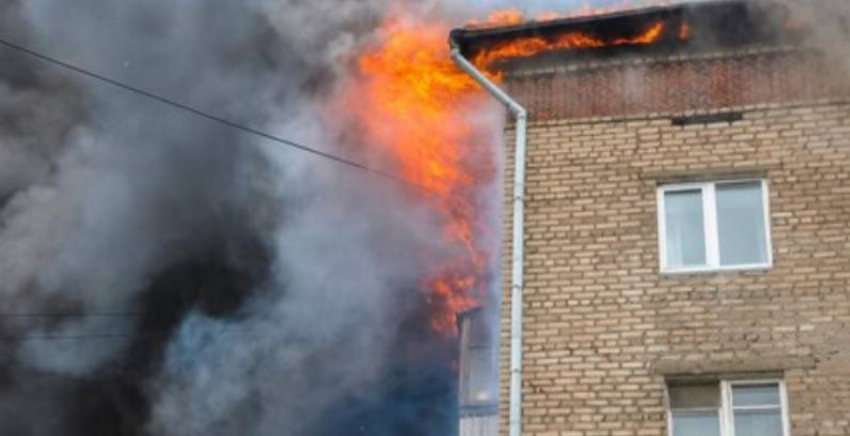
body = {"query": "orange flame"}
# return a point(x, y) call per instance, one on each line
point(509, 17)
point(685, 31)
point(571, 40)
point(412, 103)
point(586, 9)
point(504, 17)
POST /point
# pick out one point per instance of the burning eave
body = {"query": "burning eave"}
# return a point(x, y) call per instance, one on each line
point(694, 26)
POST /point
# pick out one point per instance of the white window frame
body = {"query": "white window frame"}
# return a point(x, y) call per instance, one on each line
point(726, 411)
point(722, 419)
point(729, 407)
point(710, 227)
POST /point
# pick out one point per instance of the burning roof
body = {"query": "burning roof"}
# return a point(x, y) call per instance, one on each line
point(659, 29)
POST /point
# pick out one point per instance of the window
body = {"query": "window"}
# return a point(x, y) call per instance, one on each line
point(757, 409)
point(728, 408)
point(479, 371)
point(695, 410)
point(714, 226)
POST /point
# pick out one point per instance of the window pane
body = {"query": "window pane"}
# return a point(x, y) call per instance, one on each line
point(685, 229)
point(755, 395)
point(740, 223)
point(705, 396)
point(696, 423)
point(483, 375)
point(479, 360)
point(758, 422)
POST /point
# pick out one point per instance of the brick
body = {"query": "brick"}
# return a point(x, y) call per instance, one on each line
point(604, 328)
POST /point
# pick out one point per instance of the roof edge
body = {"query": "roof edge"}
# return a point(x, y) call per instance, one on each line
point(465, 33)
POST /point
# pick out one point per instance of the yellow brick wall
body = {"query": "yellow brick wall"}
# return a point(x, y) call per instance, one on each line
point(603, 329)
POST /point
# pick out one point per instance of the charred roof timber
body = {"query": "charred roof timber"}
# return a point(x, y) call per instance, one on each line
point(693, 26)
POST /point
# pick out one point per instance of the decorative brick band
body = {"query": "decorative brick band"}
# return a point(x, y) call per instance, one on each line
point(696, 84)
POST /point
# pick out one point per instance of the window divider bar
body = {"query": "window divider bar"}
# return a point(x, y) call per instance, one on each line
point(768, 233)
point(786, 411)
point(727, 415)
point(745, 408)
point(712, 238)
point(662, 230)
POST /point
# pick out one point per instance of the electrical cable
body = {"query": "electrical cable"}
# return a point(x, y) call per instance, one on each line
point(114, 336)
point(190, 109)
point(72, 315)
point(206, 115)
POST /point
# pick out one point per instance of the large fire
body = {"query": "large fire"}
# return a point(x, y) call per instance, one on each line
point(571, 40)
point(413, 103)
point(410, 102)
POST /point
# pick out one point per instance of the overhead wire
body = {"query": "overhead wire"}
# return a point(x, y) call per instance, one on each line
point(206, 115)
point(72, 314)
point(111, 336)
point(189, 109)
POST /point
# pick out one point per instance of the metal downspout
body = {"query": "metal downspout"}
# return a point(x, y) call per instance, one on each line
point(517, 271)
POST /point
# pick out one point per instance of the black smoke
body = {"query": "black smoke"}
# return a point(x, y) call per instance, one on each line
point(163, 274)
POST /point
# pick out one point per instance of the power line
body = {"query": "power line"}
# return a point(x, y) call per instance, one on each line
point(115, 336)
point(187, 108)
point(76, 337)
point(72, 315)
point(200, 113)
point(92, 337)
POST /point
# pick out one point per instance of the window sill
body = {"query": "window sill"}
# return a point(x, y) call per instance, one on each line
point(716, 271)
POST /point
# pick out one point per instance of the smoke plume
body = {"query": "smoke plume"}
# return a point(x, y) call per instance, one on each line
point(163, 274)
point(826, 24)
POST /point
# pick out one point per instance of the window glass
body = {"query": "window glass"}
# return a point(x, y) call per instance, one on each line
point(695, 409)
point(757, 410)
point(703, 396)
point(479, 361)
point(696, 423)
point(482, 375)
point(685, 231)
point(740, 223)
point(755, 395)
point(758, 422)
point(752, 408)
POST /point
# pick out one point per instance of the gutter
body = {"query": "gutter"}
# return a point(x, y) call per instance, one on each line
point(517, 271)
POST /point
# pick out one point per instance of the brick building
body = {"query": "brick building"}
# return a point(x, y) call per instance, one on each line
point(687, 228)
